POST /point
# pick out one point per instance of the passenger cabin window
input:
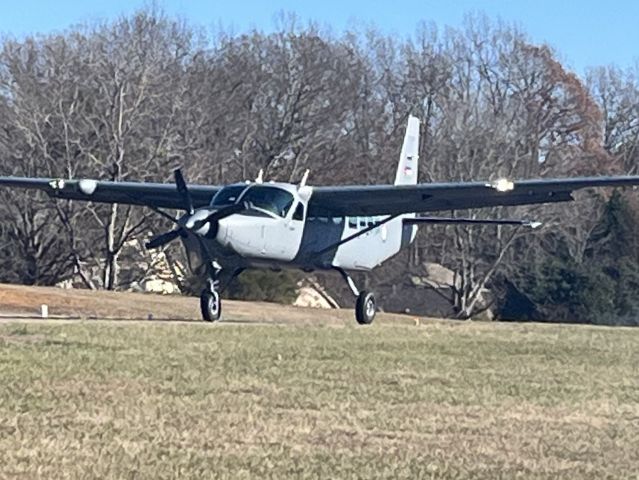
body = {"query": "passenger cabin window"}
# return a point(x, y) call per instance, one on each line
point(228, 195)
point(362, 221)
point(352, 222)
point(271, 199)
point(299, 212)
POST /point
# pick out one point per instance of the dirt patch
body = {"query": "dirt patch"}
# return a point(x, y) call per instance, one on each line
point(87, 304)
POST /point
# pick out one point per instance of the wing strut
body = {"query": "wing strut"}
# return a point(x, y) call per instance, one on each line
point(432, 220)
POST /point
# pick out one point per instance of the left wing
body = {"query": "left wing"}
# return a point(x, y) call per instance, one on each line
point(160, 195)
point(371, 200)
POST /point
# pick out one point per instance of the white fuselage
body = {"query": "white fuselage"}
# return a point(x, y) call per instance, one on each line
point(286, 237)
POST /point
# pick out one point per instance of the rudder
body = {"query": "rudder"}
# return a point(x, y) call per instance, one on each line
point(409, 157)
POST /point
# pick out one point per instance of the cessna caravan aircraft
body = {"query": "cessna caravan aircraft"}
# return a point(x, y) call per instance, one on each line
point(227, 229)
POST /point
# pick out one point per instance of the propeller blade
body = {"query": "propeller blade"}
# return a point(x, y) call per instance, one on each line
point(225, 212)
point(162, 239)
point(217, 216)
point(163, 213)
point(180, 183)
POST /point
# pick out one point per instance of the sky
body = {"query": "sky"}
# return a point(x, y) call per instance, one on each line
point(584, 33)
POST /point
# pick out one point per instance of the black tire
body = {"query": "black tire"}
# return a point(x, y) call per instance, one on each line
point(210, 306)
point(365, 308)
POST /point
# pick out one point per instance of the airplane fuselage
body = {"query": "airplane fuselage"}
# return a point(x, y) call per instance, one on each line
point(279, 234)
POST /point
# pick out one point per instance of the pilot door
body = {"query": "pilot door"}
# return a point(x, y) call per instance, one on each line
point(283, 236)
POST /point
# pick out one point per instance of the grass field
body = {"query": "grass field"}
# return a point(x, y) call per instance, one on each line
point(441, 400)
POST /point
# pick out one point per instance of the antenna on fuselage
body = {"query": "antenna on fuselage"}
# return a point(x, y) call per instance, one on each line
point(260, 176)
point(304, 178)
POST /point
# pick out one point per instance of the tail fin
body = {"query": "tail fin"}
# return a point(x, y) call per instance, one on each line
point(409, 158)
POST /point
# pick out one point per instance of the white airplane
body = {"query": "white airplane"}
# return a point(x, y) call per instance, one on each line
point(227, 229)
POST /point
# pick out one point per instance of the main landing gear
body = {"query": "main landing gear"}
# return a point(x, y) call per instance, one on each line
point(365, 306)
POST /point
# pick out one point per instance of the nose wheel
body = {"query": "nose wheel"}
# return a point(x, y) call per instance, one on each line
point(210, 305)
point(210, 301)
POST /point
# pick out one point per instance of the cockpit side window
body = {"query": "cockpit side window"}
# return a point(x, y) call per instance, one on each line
point(272, 199)
point(299, 212)
point(228, 195)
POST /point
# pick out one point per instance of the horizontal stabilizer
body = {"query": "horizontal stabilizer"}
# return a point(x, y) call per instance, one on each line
point(471, 221)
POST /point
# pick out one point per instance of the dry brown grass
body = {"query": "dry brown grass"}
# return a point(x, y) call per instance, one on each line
point(86, 304)
point(441, 400)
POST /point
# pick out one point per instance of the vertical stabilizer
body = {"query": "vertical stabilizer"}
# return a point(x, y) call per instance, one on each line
point(409, 158)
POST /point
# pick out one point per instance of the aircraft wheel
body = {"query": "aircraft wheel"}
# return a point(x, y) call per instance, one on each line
point(210, 305)
point(365, 308)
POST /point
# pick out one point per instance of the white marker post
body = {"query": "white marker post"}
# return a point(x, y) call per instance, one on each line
point(44, 310)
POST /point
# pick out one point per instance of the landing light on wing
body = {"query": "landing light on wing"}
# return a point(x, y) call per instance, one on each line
point(502, 185)
point(87, 186)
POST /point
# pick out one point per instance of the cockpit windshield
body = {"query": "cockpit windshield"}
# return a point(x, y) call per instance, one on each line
point(272, 199)
point(228, 195)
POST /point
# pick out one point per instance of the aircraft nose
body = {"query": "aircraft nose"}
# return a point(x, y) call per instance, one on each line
point(223, 229)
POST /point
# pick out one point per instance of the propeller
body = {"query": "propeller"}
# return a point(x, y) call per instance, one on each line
point(183, 190)
point(185, 224)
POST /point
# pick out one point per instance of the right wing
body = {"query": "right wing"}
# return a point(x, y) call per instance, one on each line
point(372, 200)
point(159, 195)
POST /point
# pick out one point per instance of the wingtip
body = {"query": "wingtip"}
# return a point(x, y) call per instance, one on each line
point(533, 225)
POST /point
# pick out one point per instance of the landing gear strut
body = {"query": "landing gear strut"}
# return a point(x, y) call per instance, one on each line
point(365, 306)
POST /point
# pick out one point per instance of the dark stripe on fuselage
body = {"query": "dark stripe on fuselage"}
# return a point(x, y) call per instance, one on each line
point(319, 233)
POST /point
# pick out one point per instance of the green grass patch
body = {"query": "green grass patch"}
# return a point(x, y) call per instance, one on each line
point(162, 400)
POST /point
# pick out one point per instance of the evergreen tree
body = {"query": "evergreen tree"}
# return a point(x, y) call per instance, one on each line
point(603, 287)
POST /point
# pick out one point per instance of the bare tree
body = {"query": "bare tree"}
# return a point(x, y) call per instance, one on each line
point(101, 102)
point(133, 98)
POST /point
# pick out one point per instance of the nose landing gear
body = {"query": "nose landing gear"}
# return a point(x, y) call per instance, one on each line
point(210, 299)
point(210, 302)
